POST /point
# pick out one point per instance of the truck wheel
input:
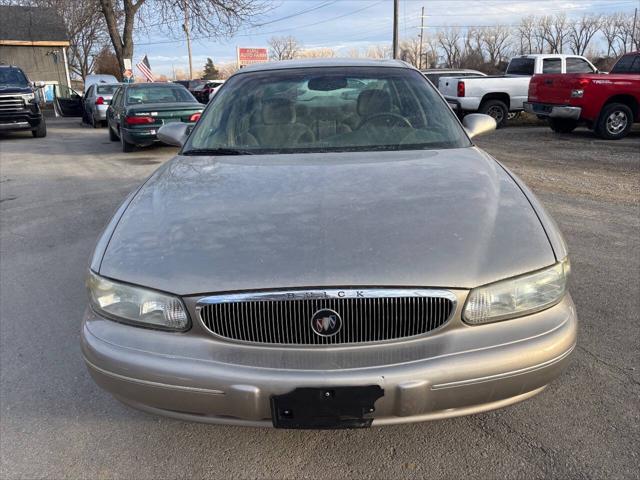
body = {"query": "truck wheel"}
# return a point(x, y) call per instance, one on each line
point(41, 130)
point(126, 146)
point(496, 109)
point(562, 125)
point(112, 135)
point(614, 122)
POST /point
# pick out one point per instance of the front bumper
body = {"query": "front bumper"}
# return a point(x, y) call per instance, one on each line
point(457, 371)
point(553, 111)
point(26, 119)
point(141, 136)
point(466, 104)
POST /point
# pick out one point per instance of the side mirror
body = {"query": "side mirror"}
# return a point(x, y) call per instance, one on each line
point(39, 84)
point(174, 133)
point(478, 124)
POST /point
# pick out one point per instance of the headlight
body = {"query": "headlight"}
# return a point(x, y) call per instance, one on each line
point(517, 296)
point(136, 305)
point(28, 97)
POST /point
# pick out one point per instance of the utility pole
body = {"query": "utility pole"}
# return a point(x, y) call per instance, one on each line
point(188, 34)
point(395, 28)
point(421, 36)
point(633, 30)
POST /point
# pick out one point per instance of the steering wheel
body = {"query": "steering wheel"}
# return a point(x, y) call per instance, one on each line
point(386, 119)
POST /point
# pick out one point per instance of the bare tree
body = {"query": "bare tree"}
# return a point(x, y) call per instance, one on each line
point(624, 32)
point(317, 53)
point(410, 51)
point(209, 18)
point(554, 31)
point(379, 51)
point(450, 40)
point(283, 48)
point(609, 29)
point(496, 42)
point(581, 32)
point(526, 34)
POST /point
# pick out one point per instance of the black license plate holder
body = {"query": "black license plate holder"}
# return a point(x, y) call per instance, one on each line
point(325, 407)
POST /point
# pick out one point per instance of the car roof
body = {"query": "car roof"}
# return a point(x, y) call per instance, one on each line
point(323, 63)
point(150, 84)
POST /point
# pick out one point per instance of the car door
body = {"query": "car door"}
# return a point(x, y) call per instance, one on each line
point(67, 102)
point(87, 100)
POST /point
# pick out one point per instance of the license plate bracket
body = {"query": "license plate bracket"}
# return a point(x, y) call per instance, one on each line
point(326, 407)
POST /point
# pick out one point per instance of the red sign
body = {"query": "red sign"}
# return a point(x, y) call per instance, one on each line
point(247, 56)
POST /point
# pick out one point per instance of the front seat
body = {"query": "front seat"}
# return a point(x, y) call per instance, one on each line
point(278, 127)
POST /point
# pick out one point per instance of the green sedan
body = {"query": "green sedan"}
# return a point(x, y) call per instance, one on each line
point(137, 111)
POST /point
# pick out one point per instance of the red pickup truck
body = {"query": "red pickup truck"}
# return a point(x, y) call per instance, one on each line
point(608, 104)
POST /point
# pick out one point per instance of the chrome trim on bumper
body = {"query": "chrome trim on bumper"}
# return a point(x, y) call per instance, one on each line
point(319, 294)
point(553, 111)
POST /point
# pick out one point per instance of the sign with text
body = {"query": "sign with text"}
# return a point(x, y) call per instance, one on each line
point(249, 56)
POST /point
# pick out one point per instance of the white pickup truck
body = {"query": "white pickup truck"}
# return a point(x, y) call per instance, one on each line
point(501, 94)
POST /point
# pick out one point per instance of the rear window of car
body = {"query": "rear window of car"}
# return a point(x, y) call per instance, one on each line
point(158, 94)
point(521, 66)
point(627, 64)
point(106, 89)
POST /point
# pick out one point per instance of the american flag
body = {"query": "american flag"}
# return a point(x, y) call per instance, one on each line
point(145, 68)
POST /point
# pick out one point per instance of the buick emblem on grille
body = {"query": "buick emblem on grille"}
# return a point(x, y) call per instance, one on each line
point(326, 322)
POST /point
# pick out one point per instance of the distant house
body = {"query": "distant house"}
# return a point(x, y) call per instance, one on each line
point(35, 40)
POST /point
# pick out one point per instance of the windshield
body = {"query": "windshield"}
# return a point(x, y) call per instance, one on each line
point(106, 89)
point(521, 66)
point(158, 94)
point(13, 77)
point(324, 110)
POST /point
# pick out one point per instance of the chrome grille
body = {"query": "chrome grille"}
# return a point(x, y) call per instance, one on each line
point(284, 318)
point(11, 104)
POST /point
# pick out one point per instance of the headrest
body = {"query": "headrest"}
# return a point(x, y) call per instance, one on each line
point(278, 111)
point(371, 102)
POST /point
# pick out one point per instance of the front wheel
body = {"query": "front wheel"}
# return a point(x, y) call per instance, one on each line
point(40, 131)
point(496, 109)
point(614, 122)
point(562, 125)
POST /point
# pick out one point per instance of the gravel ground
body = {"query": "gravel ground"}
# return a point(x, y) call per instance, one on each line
point(57, 193)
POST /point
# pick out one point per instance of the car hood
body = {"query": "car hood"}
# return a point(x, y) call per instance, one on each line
point(440, 218)
point(6, 89)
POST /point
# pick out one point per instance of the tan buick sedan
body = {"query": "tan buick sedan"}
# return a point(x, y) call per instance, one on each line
point(329, 249)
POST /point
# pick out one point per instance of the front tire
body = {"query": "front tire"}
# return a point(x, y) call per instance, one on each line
point(615, 121)
point(496, 109)
point(562, 125)
point(40, 131)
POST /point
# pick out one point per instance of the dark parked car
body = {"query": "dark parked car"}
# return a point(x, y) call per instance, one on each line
point(138, 110)
point(203, 92)
point(19, 108)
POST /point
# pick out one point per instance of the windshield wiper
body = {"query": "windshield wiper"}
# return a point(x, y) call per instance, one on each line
point(217, 151)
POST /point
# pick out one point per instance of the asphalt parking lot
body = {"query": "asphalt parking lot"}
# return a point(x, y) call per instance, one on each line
point(57, 193)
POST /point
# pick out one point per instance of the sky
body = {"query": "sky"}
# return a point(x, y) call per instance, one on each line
point(346, 24)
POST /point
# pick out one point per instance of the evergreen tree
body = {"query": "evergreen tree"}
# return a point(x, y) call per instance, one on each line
point(210, 71)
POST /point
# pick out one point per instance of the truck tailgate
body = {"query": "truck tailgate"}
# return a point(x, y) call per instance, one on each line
point(552, 88)
point(448, 86)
